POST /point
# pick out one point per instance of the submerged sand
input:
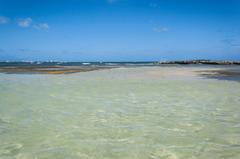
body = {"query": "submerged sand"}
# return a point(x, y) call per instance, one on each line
point(227, 72)
point(130, 113)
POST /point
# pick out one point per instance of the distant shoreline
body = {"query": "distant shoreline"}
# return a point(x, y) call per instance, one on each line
point(115, 63)
point(207, 62)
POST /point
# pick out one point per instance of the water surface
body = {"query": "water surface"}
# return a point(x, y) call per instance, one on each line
point(124, 113)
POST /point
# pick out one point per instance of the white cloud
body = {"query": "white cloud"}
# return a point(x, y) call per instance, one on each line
point(4, 20)
point(160, 29)
point(41, 26)
point(24, 22)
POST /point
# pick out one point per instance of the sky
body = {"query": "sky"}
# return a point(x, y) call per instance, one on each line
point(119, 30)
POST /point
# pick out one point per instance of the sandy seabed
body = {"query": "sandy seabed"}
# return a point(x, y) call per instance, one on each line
point(142, 113)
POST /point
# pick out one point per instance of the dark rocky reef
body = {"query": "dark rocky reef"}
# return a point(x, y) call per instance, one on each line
point(223, 74)
point(207, 62)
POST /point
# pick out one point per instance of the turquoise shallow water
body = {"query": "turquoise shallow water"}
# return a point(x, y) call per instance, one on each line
point(119, 113)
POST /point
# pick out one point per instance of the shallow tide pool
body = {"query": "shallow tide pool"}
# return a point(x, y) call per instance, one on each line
point(118, 114)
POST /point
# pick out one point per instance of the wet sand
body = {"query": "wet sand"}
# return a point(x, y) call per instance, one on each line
point(48, 69)
point(221, 72)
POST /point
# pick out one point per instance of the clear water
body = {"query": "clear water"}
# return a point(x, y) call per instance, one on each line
point(118, 114)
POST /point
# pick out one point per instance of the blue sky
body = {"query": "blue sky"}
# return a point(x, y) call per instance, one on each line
point(119, 30)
